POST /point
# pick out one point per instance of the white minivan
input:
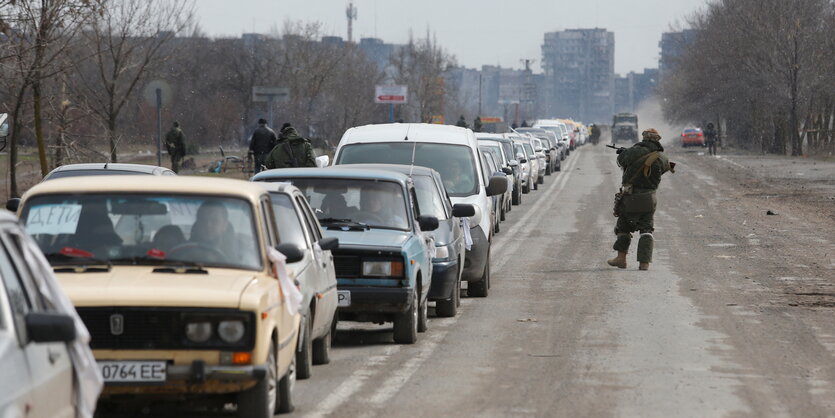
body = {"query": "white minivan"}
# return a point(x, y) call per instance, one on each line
point(453, 152)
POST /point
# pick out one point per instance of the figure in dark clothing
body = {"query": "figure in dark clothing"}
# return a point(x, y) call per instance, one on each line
point(525, 124)
point(175, 143)
point(462, 122)
point(263, 141)
point(291, 150)
point(711, 138)
point(477, 125)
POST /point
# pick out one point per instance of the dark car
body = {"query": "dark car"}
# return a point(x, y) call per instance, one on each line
point(448, 262)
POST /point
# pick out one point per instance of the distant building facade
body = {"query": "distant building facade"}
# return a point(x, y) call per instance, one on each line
point(673, 45)
point(579, 68)
point(632, 89)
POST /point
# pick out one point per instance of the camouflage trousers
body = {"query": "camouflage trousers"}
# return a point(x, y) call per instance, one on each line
point(632, 222)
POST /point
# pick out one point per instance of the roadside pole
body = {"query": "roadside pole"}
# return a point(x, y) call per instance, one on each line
point(391, 95)
point(391, 112)
point(159, 126)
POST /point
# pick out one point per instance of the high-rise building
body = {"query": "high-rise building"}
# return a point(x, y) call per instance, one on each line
point(673, 45)
point(634, 88)
point(579, 66)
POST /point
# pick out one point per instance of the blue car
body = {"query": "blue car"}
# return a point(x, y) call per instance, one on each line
point(383, 263)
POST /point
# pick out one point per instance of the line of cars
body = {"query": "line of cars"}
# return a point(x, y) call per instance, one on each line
point(221, 293)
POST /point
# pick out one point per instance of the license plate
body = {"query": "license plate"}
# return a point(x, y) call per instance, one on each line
point(133, 371)
point(343, 298)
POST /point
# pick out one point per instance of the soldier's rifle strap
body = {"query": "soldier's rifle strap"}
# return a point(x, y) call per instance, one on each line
point(646, 161)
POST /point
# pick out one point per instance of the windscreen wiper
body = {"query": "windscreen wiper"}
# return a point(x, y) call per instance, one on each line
point(166, 266)
point(63, 263)
point(339, 223)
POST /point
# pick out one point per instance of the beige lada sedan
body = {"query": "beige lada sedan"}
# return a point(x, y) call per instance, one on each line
point(174, 279)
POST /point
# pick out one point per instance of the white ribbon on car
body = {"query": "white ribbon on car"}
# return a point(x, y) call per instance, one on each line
point(292, 294)
point(87, 379)
point(468, 239)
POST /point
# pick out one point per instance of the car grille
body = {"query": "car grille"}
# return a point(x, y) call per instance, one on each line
point(150, 329)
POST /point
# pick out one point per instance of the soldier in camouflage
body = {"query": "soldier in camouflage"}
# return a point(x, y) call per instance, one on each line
point(642, 164)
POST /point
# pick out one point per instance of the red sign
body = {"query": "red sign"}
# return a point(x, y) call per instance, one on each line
point(391, 98)
point(391, 94)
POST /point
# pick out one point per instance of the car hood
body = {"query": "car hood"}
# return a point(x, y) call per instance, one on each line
point(140, 286)
point(371, 237)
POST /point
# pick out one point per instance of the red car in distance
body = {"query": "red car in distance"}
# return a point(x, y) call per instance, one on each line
point(692, 137)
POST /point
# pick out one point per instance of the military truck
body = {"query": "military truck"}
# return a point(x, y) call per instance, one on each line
point(625, 127)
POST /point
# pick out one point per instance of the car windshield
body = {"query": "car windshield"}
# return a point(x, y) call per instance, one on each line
point(144, 229)
point(354, 202)
point(496, 151)
point(520, 149)
point(528, 148)
point(455, 163)
point(287, 219)
point(429, 197)
point(92, 172)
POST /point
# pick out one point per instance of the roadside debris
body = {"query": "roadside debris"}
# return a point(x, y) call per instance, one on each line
point(771, 212)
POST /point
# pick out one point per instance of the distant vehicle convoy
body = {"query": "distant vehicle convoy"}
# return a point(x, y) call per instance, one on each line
point(228, 291)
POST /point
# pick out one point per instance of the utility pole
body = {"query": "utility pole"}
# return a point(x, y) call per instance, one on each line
point(351, 14)
point(479, 92)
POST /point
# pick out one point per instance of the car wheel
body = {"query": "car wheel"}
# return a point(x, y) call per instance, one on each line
point(536, 185)
point(541, 180)
point(548, 170)
point(285, 390)
point(480, 288)
point(526, 189)
point(423, 315)
point(406, 324)
point(516, 198)
point(261, 399)
point(322, 346)
point(304, 356)
point(503, 213)
point(449, 307)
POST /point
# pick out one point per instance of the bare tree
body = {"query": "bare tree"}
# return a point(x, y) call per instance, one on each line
point(128, 40)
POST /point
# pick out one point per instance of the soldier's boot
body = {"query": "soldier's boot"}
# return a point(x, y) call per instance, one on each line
point(619, 261)
point(645, 244)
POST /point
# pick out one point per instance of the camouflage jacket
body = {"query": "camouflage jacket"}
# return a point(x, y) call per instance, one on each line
point(632, 162)
point(291, 150)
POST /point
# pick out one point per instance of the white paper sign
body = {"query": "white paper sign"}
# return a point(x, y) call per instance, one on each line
point(53, 219)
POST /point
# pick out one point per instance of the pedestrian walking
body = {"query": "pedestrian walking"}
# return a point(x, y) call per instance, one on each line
point(261, 143)
point(642, 164)
point(711, 138)
point(175, 144)
point(291, 150)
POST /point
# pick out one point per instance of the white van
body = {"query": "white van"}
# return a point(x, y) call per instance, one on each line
point(453, 152)
point(559, 128)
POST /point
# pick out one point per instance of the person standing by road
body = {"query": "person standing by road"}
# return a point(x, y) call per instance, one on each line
point(642, 164)
point(291, 150)
point(175, 143)
point(262, 142)
point(462, 122)
point(477, 125)
point(710, 138)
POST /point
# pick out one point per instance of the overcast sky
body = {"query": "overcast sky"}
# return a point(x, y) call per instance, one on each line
point(477, 32)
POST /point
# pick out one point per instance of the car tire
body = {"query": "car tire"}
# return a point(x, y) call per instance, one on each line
point(541, 180)
point(406, 324)
point(449, 307)
point(285, 390)
point(526, 189)
point(503, 213)
point(480, 288)
point(548, 170)
point(322, 346)
point(261, 400)
point(516, 198)
point(304, 357)
point(423, 316)
point(536, 185)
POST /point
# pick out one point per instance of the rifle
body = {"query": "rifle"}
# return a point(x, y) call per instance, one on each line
point(618, 150)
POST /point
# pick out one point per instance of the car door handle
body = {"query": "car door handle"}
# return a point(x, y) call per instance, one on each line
point(53, 355)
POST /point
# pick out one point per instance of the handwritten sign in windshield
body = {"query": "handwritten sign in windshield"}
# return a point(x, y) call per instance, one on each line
point(53, 219)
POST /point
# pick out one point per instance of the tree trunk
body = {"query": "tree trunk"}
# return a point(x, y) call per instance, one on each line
point(15, 135)
point(111, 136)
point(36, 95)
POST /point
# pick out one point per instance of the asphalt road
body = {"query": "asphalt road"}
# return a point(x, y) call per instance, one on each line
point(713, 329)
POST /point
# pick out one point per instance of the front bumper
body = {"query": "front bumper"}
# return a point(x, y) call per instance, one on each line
point(444, 280)
point(476, 259)
point(195, 378)
point(377, 299)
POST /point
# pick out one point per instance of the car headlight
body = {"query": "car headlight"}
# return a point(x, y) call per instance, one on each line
point(382, 268)
point(231, 331)
point(442, 252)
point(199, 332)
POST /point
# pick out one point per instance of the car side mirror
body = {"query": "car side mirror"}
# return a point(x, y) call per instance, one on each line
point(293, 253)
point(507, 170)
point(49, 327)
point(463, 210)
point(513, 163)
point(520, 157)
point(427, 223)
point(523, 160)
point(322, 161)
point(498, 185)
point(13, 204)
point(329, 243)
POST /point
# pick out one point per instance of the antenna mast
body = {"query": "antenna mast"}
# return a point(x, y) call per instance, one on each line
point(351, 14)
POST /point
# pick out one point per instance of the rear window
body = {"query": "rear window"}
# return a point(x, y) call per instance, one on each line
point(455, 163)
